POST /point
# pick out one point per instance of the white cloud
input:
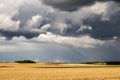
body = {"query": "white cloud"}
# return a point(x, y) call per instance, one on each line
point(45, 27)
point(115, 37)
point(83, 41)
point(106, 9)
point(2, 38)
point(98, 8)
point(17, 44)
point(7, 24)
point(21, 38)
point(85, 27)
point(14, 13)
point(61, 27)
point(34, 22)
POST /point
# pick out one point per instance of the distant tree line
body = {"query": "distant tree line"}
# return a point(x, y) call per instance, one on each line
point(105, 62)
point(113, 63)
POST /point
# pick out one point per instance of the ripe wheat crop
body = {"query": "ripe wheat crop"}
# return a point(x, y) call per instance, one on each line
point(42, 71)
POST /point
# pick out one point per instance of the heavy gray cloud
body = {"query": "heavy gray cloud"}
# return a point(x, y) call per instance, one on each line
point(31, 19)
point(70, 5)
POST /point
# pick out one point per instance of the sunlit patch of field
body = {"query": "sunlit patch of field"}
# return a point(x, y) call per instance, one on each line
point(43, 71)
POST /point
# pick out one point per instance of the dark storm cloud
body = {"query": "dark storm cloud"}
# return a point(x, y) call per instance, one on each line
point(105, 29)
point(10, 34)
point(72, 5)
point(101, 29)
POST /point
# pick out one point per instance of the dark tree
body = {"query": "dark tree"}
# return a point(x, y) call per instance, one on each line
point(25, 61)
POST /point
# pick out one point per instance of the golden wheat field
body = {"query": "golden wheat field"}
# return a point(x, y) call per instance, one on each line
point(43, 71)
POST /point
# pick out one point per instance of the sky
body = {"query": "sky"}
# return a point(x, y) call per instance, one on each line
point(60, 30)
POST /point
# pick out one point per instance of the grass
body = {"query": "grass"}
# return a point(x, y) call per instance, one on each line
point(43, 71)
